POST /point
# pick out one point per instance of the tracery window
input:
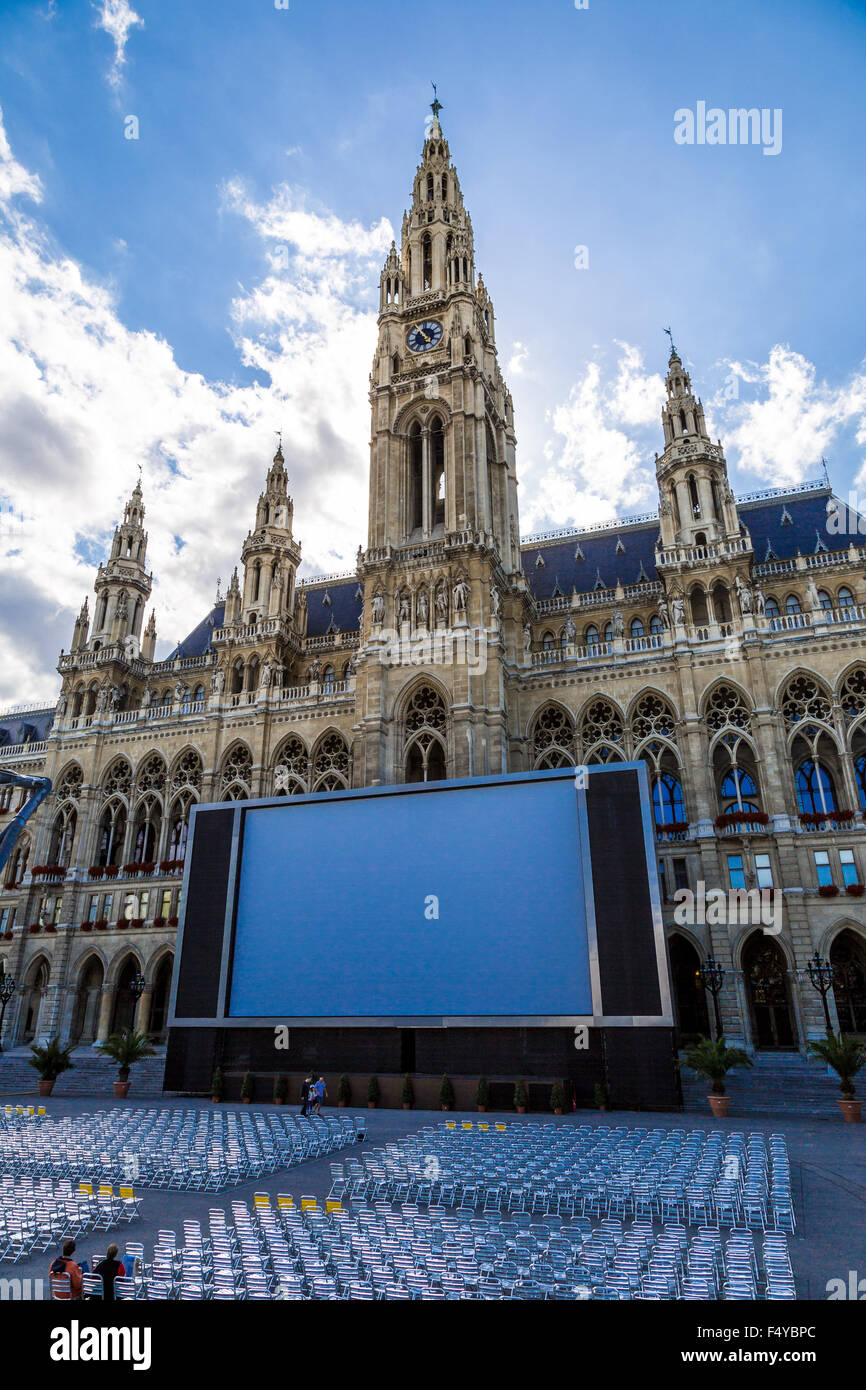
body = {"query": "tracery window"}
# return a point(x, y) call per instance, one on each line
point(331, 764)
point(553, 738)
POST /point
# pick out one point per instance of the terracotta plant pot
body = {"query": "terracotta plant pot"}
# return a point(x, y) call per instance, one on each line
point(521, 1109)
point(46, 1085)
point(371, 1105)
point(245, 1100)
point(557, 1112)
point(445, 1107)
point(278, 1100)
point(720, 1105)
point(341, 1105)
point(121, 1090)
point(406, 1105)
point(851, 1111)
point(217, 1100)
point(482, 1109)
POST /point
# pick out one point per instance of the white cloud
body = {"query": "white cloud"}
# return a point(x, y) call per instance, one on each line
point(117, 18)
point(596, 470)
point(84, 400)
point(782, 436)
point(518, 360)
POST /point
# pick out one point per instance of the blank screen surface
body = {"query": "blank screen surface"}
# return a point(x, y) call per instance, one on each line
point(464, 901)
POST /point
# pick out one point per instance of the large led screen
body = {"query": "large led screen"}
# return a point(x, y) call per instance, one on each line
point(463, 900)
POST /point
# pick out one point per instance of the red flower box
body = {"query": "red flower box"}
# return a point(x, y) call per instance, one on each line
point(121, 924)
point(741, 818)
point(50, 927)
point(147, 867)
point(855, 890)
point(828, 890)
point(7, 936)
point(136, 923)
point(170, 866)
point(101, 924)
point(131, 868)
point(159, 921)
point(95, 871)
point(86, 926)
point(112, 870)
point(35, 927)
point(172, 921)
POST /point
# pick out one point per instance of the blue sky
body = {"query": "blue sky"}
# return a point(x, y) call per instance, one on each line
point(150, 322)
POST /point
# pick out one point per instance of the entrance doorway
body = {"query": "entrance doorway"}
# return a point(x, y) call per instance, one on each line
point(690, 998)
point(848, 957)
point(766, 977)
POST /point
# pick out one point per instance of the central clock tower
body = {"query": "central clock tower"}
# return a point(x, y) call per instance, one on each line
point(443, 548)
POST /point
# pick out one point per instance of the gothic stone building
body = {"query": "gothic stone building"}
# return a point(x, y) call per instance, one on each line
point(719, 640)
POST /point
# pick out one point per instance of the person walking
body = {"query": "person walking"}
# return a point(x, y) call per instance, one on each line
point(306, 1086)
point(64, 1264)
point(317, 1094)
point(110, 1268)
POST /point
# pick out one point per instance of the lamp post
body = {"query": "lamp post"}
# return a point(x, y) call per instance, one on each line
point(712, 976)
point(136, 988)
point(822, 974)
point(7, 989)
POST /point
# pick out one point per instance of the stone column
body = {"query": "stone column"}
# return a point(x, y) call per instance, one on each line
point(103, 1027)
point(142, 1012)
point(426, 483)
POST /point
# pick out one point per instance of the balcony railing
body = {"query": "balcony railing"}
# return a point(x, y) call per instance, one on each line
point(22, 750)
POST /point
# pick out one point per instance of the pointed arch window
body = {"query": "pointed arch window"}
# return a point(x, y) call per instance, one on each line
point(416, 478)
point(437, 461)
point(845, 598)
point(669, 806)
point(693, 487)
point(591, 637)
point(427, 262)
point(816, 794)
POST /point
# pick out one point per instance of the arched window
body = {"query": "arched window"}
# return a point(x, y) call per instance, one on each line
point(657, 627)
point(424, 757)
point(416, 477)
point(237, 774)
point(63, 835)
point(608, 632)
point(331, 764)
point(328, 680)
point(437, 471)
point(637, 628)
point(738, 791)
point(721, 603)
point(553, 738)
point(804, 699)
point(771, 607)
point(547, 642)
point(860, 776)
point(693, 486)
point(700, 611)
point(112, 831)
point(652, 717)
point(825, 600)
point(291, 768)
point(844, 597)
point(430, 188)
point(792, 604)
point(179, 826)
point(591, 636)
point(427, 262)
point(601, 722)
point(726, 708)
point(816, 794)
point(148, 821)
point(668, 803)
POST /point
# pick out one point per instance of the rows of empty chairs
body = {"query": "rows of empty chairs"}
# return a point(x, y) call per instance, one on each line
point(402, 1251)
point(38, 1213)
point(713, 1178)
point(173, 1147)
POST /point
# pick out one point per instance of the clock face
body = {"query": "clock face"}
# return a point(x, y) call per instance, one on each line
point(424, 336)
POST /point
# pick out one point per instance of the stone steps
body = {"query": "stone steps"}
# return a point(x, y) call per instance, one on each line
point(777, 1084)
point(91, 1075)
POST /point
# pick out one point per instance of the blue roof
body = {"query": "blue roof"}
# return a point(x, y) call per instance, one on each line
point(197, 642)
point(334, 607)
point(32, 726)
point(779, 527)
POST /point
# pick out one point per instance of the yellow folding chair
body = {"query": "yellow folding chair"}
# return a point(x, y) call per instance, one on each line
point(286, 1201)
point(467, 1124)
point(331, 1204)
point(309, 1204)
point(85, 1189)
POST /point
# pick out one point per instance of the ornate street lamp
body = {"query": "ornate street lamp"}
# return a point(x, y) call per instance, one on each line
point(712, 976)
point(137, 987)
point(7, 989)
point(822, 974)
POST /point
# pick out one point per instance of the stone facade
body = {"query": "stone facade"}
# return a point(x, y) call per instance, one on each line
point(719, 640)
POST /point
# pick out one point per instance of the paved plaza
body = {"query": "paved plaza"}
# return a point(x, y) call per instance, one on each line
point(828, 1169)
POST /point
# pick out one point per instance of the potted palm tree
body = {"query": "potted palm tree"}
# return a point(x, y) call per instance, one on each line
point(446, 1094)
point(281, 1089)
point(126, 1049)
point(482, 1095)
point(373, 1093)
point(846, 1056)
point(344, 1092)
point(247, 1088)
point(713, 1060)
point(408, 1093)
point(216, 1086)
point(557, 1098)
point(50, 1061)
point(521, 1097)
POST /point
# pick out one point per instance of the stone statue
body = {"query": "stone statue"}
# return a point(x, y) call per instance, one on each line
point(812, 599)
point(117, 694)
point(405, 609)
point(495, 603)
point(61, 706)
point(441, 604)
point(315, 670)
point(377, 608)
point(618, 623)
point(217, 685)
point(267, 671)
point(121, 609)
point(527, 638)
point(179, 692)
point(678, 610)
point(664, 618)
point(422, 608)
point(146, 698)
point(744, 596)
point(760, 603)
point(102, 698)
point(569, 632)
point(461, 595)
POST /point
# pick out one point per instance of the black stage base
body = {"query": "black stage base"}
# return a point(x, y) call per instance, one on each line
point(636, 1067)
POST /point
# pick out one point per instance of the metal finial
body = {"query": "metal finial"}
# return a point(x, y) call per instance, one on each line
point(435, 105)
point(671, 336)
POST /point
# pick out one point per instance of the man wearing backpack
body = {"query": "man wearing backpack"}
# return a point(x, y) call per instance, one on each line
point(64, 1264)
